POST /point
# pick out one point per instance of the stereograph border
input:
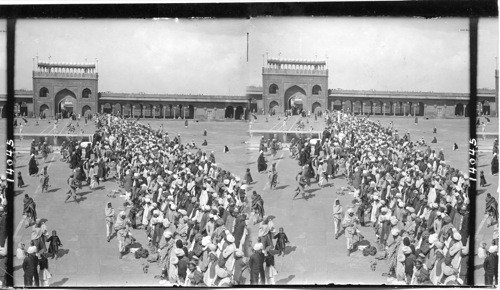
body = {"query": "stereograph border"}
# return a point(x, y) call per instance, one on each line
point(467, 9)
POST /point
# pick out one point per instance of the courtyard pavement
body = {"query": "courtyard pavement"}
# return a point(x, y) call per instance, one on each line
point(313, 256)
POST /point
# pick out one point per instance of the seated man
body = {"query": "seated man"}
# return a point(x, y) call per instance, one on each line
point(205, 143)
point(434, 140)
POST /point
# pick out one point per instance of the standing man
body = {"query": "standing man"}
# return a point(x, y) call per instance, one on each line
point(337, 217)
point(109, 211)
point(30, 265)
point(350, 225)
point(73, 184)
point(301, 184)
point(256, 265)
point(491, 267)
point(122, 231)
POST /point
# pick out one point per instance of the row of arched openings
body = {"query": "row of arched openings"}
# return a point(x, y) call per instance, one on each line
point(166, 111)
point(315, 108)
point(273, 89)
point(44, 92)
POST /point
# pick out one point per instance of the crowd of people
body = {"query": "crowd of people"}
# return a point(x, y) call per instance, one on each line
point(195, 213)
point(416, 203)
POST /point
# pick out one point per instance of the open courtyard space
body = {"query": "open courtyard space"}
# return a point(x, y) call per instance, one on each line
point(317, 256)
point(266, 151)
point(86, 258)
point(313, 255)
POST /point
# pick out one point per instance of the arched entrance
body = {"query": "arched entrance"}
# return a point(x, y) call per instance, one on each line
point(44, 111)
point(127, 110)
point(316, 108)
point(117, 109)
point(147, 111)
point(23, 109)
point(158, 111)
point(486, 108)
point(239, 113)
point(337, 105)
point(107, 109)
point(294, 99)
point(64, 103)
point(273, 107)
point(356, 107)
point(229, 112)
point(459, 109)
point(421, 108)
point(347, 106)
point(86, 111)
point(190, 112)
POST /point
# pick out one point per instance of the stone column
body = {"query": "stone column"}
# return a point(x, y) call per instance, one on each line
point(1, 111)
point(404, 110)
point(371, 109)
point(362, 109)
point(383, 109)
point(234, 113)
point(102, 110)
point(352, 108)
point(244, 113)
point(394, 109)
point(164, 112)
point(465, 108)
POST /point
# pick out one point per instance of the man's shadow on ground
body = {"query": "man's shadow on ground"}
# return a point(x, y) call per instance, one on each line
point(285, 280)
point(59, 283)
point(289, 249)
point(81, 194)
point(62, 252)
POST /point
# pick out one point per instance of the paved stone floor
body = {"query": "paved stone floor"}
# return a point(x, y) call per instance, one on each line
point(314, 256)
point(86, 258)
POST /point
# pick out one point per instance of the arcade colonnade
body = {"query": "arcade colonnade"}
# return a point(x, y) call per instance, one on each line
point(175, 110)
point(405, 107)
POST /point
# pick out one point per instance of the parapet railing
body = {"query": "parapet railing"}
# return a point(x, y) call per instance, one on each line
point(295, 71)
point(65, 74)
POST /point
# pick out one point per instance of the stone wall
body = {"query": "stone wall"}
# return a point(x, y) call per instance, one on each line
point(285, 82)
point(57, 85)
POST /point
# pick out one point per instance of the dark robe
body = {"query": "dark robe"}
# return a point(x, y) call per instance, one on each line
point(256, 265)
point(281, 241)
point(239, 266)
point(494, 165)
point(258, 204)
point(492, 206)
point(33, 167)
point(30, 208)
point(464, 231)
point(239, 229)
point(261, 163)
point(30, 265)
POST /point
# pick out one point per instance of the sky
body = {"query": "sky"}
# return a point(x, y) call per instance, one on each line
point(380, 53)
point(151, 56)
point(208, 56)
